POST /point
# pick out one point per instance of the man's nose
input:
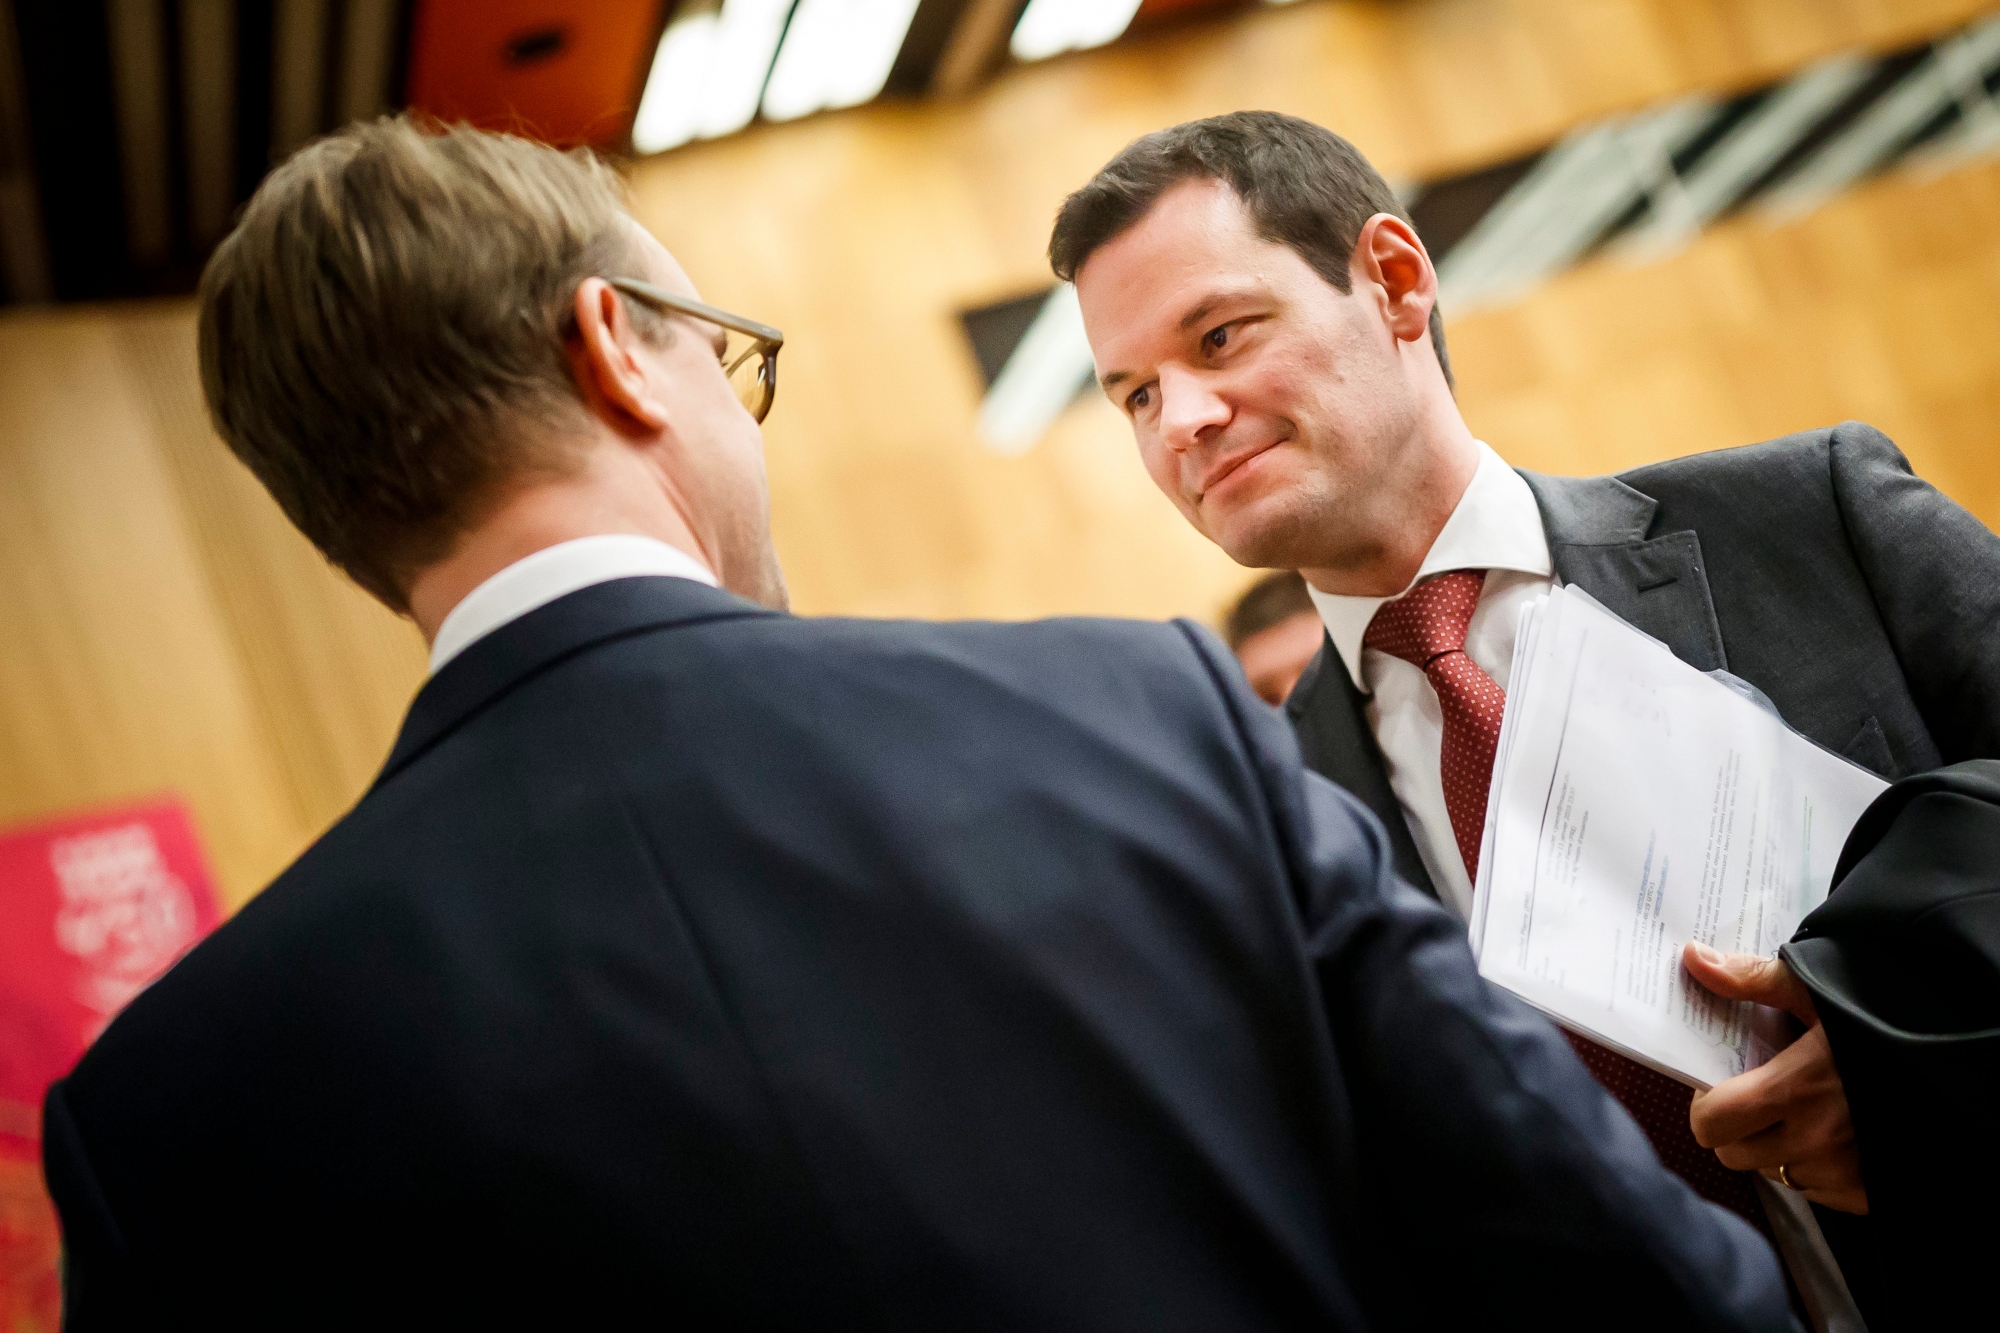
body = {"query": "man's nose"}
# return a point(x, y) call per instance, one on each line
point(1189, 408)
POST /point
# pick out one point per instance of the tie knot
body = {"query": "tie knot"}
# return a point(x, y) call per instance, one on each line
point(1429, 620)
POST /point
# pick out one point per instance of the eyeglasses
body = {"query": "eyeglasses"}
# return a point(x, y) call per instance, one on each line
point(752, 368)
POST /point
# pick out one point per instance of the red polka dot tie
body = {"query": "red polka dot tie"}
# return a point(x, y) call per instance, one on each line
point(1426, 628)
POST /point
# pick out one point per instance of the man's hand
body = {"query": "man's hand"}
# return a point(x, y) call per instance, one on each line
point(1792, 1111)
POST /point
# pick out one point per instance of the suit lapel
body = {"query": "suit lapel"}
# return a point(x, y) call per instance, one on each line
point(1327, 712)
point(520, 648)
point(1597, 530)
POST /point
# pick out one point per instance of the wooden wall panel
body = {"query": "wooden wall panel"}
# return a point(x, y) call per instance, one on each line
point(1493, 79)
point(162, 628)
point(1883, 306)
point(116, 679)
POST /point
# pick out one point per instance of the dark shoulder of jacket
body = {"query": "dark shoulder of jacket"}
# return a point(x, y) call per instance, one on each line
point(1861, 455)
point(1058, 645)
point(1813, 469)
point(1096, 672)
point(1788, 462)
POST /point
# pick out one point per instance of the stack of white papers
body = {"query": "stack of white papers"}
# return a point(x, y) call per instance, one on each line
point(1637, 804)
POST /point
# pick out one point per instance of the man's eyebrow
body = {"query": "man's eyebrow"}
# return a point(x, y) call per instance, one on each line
point(1208, 306)
point(1201, 311)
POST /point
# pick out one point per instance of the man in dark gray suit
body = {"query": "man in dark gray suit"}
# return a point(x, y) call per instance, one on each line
point(1263, 312)
point(695, 963)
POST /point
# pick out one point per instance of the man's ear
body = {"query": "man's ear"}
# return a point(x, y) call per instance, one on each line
point(604, 357)
point(1389, 255)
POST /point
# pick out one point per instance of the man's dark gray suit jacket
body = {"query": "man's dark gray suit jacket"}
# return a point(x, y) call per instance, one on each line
point(1817, 567)
point(693, 965)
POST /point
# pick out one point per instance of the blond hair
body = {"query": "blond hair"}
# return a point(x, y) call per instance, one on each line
point(382, 334)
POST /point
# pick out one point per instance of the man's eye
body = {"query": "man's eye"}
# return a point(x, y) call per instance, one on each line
point(1139, 398)
point(1217, 337)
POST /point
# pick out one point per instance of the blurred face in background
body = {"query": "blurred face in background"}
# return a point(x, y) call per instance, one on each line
point(1275, 657)
point(1270, 407)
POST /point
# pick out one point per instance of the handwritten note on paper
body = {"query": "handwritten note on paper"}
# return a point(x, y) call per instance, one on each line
point(1638, 804)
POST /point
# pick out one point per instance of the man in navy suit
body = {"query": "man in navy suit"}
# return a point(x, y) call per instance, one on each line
point(694, 963)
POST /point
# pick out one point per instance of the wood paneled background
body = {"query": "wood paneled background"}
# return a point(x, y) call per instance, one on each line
point(162, 629)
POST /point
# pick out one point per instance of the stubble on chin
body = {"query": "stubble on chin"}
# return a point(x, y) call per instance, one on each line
point(1282, 531)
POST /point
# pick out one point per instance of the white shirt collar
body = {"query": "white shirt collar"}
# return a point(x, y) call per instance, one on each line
point(1497, 525)
point(553, 572)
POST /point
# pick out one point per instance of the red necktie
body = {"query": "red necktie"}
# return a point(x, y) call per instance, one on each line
point(1426, 628)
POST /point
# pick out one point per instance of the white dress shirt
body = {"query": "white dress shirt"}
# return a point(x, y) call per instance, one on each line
point(1497, 527)
point(553, 572)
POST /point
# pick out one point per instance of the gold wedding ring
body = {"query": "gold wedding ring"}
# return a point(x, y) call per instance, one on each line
point(1785, 1175)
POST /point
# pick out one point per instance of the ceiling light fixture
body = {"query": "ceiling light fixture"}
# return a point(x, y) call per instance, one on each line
point(837, 53)
point(708, 73)
point(1050, 27)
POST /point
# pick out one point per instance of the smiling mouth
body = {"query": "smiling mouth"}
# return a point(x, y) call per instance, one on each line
point(1227, 468)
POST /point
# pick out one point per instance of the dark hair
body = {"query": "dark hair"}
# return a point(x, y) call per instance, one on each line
point(382, 334)
point(1271, 599)
point(1306, 187)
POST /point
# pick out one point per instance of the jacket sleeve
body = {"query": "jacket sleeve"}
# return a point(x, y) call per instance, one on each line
point(100, 1288)
point(1934, 571)
point(1495, 1159)
point(1903, 960)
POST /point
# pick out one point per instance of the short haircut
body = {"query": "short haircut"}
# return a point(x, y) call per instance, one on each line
point(382, 333)
point(1269, 601)
point(1305, 187)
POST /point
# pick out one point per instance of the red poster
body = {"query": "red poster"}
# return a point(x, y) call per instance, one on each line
point(92, 909)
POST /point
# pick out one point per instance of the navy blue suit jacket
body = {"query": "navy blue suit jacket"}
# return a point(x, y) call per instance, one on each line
point(693, 964)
